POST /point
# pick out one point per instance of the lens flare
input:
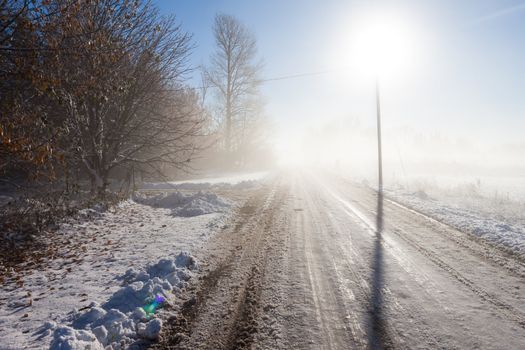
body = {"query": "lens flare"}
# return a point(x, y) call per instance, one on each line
point(154, 304)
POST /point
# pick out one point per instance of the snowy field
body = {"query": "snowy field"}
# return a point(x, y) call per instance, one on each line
point(497, 187)
point(124, 260)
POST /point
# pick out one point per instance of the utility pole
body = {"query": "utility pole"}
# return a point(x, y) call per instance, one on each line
point(379, 151)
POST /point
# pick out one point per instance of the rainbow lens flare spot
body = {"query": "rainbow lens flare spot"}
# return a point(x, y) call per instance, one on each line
point(154, 304)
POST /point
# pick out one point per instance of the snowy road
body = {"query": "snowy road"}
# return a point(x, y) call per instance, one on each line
point(311, 265)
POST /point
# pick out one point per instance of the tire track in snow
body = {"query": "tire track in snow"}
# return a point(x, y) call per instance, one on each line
point(504, 308)
point(365, 290)
point(494, 255)
point(245, 326)
point(358, 335)
point(322, 286)
point(488, 251)
point(219, 314)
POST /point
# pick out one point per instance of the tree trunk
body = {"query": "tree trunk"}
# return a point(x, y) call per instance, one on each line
point(228, 131)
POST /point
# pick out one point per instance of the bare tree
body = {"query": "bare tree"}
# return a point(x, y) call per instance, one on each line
point(123, 93)
point(233, 72)
point(95, 85)
point(27, 135)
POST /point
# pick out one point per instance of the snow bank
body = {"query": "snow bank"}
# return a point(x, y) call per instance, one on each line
point(122, 320)
point(232, 182)
point(185, 204)
point(198, 186)
point(488, 226)
point(96, 251)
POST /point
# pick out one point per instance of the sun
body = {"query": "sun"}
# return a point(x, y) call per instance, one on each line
point(383, 45)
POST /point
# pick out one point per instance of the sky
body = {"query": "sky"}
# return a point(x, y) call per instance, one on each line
point(464, 76)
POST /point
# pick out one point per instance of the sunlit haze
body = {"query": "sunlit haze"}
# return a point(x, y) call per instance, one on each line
point(262, 174)
point(451, 71)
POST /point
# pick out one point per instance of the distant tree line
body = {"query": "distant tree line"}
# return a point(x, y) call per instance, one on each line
point(94, 88)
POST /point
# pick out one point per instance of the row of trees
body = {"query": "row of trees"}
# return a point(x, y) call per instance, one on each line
point(96, 88)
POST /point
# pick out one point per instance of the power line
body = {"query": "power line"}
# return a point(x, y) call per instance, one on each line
point(284, 77)
point(298, 75)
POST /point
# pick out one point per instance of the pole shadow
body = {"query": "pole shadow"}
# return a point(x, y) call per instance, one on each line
point(376, 322)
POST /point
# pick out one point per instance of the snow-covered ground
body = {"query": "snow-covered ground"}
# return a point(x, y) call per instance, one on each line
point(499, 221)
point(186, 204)
point(121, 261)
point(489, 207)
point(231, 181)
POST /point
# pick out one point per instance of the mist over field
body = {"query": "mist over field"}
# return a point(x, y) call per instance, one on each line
point(412, 157)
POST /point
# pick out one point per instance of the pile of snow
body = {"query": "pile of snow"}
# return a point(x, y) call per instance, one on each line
point(199, 186)
point(122, 319)
point(232, 182)
point(94, 211)
point(186, 204)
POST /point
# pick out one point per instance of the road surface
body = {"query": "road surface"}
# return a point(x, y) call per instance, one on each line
point(319, 262)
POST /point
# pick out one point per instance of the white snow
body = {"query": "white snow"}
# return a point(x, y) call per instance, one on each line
point(150, 330)
point(477, 216)
point(104, 268)
point(67, 338)
point(186, 204)
point(232, 181)
point(122, 319)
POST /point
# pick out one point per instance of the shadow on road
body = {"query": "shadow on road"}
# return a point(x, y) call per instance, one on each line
point(376, 331)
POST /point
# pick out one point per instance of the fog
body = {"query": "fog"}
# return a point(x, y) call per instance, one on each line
point(450, 76)
point(450, 86)
point(411, 157)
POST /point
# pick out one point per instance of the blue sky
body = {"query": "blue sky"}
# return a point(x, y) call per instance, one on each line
point(469, 80)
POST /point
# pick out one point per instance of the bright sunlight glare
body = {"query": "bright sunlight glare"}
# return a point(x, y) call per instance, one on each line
point(378, 45)
point(382, 45)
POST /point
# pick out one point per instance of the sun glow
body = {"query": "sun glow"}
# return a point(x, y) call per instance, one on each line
point(383, 46)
